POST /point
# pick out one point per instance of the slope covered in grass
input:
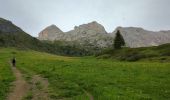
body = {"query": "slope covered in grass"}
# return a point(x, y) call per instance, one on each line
point(160, 53)
point(6, 76)
point(73, 77)
point(13, 36)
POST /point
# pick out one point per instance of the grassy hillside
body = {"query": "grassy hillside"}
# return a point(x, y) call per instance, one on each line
point(71, 78)
point(68, 48)
point(6, 76)
point(13, 36)
point(160, 53)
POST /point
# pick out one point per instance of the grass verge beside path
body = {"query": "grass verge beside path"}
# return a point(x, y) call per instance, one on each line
point(6, 75)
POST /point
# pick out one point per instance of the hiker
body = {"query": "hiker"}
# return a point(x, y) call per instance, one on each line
point(13, 62)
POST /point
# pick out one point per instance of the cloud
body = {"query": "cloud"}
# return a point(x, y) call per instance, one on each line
point(34, 15)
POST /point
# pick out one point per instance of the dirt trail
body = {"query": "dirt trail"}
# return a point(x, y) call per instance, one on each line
point(37, 86)
point(21, 87)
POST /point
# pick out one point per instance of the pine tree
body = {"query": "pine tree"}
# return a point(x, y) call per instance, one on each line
point(118, 41)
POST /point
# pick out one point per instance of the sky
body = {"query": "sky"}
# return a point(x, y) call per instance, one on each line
point(34, 15)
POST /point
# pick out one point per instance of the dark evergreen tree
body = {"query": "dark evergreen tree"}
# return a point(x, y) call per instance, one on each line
point(118, 41)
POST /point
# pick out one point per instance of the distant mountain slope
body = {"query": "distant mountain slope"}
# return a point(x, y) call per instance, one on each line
point(94, 35)
point(13, 36)
point(138, 37)
point(88, 35)
point(7, 26)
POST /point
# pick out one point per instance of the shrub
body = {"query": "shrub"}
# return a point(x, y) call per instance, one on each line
point(133, 56)
point(105, 56)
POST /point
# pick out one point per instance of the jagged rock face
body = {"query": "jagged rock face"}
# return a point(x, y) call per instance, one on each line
point(138, 37)
point(94, 35)
point(90, 28)
point(91, 34)
point(50, 33)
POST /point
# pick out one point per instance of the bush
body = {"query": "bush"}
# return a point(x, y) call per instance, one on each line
point(165, 53)
point(105, 56)
point(134, 56)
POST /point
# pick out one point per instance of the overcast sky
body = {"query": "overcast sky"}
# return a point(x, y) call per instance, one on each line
point(34, 15)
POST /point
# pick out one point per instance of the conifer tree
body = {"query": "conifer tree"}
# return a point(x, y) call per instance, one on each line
point(118, 41)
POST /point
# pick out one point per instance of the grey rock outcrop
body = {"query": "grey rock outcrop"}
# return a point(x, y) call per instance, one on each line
point(94, 35)
point(50, 33)
point(137, 37)
point(91, 34)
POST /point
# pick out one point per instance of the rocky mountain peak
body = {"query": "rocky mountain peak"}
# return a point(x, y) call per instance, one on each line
point(92, 26)
point(94, 23)
point(53, 28)
point(50, 33)
point(94, 34)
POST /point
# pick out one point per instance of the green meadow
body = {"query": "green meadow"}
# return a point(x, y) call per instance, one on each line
point(74, 78)
point(6, 76)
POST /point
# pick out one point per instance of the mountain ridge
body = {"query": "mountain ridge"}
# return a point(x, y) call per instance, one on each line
point(91, 34)
point(13, 36)
point(139, 37)
point(95, 34)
